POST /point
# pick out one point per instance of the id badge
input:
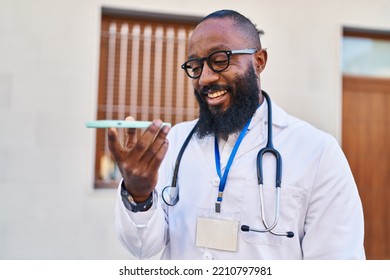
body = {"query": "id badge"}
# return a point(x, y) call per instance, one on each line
point(216, 233)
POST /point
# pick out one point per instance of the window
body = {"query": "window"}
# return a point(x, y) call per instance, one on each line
point(366, 53)
point(140, 75)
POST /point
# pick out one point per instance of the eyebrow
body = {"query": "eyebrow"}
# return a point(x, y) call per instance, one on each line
point(214, 49)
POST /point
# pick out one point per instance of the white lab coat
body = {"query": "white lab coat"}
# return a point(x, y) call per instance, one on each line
point(319, 198)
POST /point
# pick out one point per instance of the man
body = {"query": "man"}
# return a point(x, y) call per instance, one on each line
point(320, 214)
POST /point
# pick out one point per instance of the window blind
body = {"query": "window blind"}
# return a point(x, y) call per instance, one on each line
point(140, 75)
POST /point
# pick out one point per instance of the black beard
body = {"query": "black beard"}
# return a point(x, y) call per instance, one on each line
point(244, 104)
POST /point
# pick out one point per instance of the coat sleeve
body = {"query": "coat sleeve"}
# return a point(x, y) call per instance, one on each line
point(145, 234)
point(142, 233)
point(334, 225)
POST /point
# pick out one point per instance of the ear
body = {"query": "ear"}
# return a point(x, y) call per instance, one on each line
point(261, 57)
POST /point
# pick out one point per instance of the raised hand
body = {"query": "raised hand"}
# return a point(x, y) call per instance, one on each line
point(138, 161)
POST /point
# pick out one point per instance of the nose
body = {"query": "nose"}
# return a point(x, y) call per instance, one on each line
point(208, 76)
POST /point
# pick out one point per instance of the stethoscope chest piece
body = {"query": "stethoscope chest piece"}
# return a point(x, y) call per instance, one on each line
point(170, 195)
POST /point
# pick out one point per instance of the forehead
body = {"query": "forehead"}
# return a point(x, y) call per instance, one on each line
point(216, 34)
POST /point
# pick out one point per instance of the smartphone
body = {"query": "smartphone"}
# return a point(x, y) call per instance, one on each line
point(120, 124)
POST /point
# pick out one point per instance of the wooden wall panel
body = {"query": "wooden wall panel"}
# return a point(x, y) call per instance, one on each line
point(366, 143)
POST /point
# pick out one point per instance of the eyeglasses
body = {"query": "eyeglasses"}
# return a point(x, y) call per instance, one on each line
point(218, 61)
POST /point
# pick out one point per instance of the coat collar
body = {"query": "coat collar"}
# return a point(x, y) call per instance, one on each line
point(279, 116)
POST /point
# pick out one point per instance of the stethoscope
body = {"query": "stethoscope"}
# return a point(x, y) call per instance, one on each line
point(170, 194)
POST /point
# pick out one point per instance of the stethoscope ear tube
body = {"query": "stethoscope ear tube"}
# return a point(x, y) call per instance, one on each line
point(278, 158)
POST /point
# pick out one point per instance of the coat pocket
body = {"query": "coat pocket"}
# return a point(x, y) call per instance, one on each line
point(289, 207)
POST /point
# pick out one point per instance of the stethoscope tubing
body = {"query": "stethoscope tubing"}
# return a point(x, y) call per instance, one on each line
point(176, 171)
point(269, 148)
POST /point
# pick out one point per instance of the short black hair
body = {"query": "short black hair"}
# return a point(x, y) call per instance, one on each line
point(242, 22)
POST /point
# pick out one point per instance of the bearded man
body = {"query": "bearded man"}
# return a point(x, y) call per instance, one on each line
point(222, 200)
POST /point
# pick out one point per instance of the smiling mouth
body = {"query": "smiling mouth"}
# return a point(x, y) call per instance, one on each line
point(216, 94)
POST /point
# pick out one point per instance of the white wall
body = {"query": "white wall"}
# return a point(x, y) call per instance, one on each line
point(49, 53)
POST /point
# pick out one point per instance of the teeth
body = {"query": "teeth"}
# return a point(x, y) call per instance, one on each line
point(216, 94)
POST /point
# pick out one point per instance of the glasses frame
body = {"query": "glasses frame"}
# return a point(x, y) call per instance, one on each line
point(201, 61)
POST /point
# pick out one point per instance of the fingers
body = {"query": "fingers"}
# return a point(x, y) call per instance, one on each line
point(159, 156)
point(156, 152)
point(145, 148)
point(147, 143)
point(139, 160)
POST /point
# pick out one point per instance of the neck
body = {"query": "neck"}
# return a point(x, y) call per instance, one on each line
point(261, 98)
point(223, 136)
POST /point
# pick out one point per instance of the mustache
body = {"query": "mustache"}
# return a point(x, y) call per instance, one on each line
point(206, 89)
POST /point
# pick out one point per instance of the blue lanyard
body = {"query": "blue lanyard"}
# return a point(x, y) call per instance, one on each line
point(223, 178)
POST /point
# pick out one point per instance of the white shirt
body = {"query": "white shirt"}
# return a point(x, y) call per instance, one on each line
point(319, 198)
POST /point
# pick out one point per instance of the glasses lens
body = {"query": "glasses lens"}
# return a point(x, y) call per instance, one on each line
point(193, 68)
point(219, 61)
point(170, 195)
